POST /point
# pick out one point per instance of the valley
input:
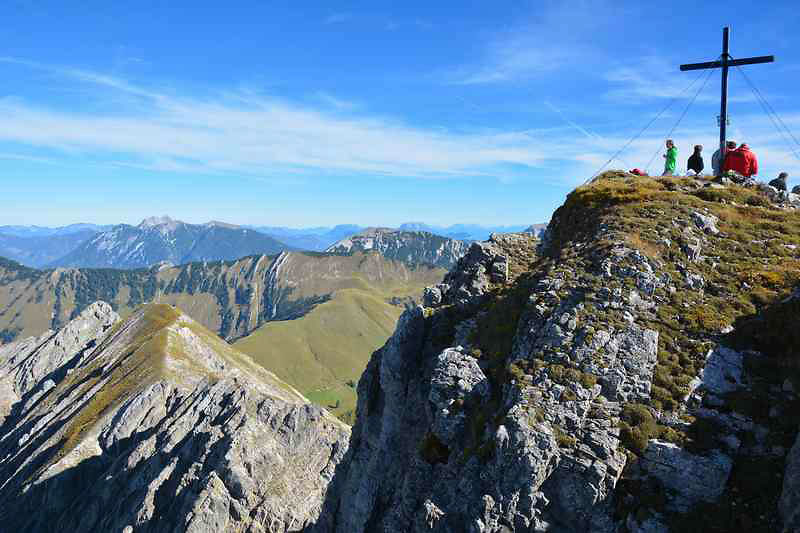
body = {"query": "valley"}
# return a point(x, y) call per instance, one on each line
point(312, 318)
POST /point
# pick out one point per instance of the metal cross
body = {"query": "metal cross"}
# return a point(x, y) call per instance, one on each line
point(724, 63)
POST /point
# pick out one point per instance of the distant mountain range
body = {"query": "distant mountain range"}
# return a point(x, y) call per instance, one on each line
point(312, 239)
point(464, 232)
point(536, 229)
point(41, 231)
point(42, 249)
point(414, 247)
point(162, 239)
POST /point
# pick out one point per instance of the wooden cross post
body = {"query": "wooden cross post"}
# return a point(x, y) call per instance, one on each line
point(724, 63)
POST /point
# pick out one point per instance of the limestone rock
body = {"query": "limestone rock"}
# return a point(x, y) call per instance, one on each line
point(723, 372)
point(692, 478)
point(483, 264)
point(706, 222)
point(456, 379)
point(771, 192)
point(155, 424)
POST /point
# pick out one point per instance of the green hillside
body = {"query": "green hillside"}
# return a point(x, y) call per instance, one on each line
point(231, 298)
point(323, 353)
point(313, 319)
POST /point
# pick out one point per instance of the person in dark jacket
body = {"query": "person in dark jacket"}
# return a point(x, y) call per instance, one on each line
point(696, 160)
point(780, 182)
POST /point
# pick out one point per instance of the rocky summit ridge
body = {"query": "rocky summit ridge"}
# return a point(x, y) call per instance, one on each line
point(155, 424)
point(634, 371)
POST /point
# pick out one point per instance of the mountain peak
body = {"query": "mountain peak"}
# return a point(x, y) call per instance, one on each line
point(414, 247)
point(164, 220)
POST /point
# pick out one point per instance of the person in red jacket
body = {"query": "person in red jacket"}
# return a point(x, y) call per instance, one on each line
point(742, 161)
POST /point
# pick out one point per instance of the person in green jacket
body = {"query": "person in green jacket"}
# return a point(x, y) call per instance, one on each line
point(670, 158)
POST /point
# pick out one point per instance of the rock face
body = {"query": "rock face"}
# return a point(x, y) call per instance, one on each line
point(579, 383)
point(416, 247)
point(429, 451)
point(154, 424)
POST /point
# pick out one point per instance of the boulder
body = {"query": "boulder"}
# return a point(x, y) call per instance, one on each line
point(457, 379)
point(690, 478)
point(706, 222)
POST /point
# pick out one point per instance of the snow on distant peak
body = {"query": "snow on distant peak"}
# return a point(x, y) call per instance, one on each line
point(155, 221)
point(162, 223)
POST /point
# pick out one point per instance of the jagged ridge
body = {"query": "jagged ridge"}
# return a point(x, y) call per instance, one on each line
point(154, 423)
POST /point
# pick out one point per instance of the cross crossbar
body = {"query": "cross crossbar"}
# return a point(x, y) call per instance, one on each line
point(731, 63)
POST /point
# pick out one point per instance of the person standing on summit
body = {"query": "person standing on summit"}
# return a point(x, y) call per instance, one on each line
point(696, 160)
point(670, 159)
point(742, 161)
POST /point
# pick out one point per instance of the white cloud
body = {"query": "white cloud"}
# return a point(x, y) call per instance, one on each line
point(334, 102)
point(85, 76)
point(26, 157)
point(247, 134)
point(653, 77)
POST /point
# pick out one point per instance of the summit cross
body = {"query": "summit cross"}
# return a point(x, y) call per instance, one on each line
point(725, 61)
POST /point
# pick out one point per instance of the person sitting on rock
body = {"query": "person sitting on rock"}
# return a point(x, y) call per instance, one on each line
point(742, 161)
point(780, 182)
point(696, 161)
point(670, 159)
point(716, 159)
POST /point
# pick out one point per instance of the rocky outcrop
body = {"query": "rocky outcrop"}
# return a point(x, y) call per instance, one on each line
point(431, 449)
point(416, 247)
point(581, 382)
point(154, 424)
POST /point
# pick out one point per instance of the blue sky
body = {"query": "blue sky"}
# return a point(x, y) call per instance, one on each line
point(364, 112)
